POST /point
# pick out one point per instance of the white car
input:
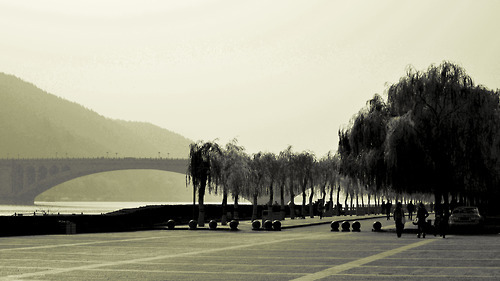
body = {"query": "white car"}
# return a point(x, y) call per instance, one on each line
point(465, 216)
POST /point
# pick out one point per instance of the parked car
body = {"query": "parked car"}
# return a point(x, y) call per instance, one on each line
point(465, 216)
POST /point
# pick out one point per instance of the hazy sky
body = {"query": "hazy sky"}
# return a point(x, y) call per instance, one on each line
point(270, 73)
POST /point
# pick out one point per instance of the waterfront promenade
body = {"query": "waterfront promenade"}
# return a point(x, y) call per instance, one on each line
point(296, 253)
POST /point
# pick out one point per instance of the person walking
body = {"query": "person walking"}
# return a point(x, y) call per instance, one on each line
point(399, 219)
point(320, 208)
point(441, 222)
point(388, 207)
point(422, 214)
point(411, 209)
point(383, 207)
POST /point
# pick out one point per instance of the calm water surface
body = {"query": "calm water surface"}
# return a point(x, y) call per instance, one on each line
point(40, 208)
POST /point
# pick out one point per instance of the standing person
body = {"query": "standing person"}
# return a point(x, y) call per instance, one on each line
point(399, 219)
point(411, 209)
point(388, 209)
point(422, 214)
point(383, 207)
point(443, 223)
point(320, 208)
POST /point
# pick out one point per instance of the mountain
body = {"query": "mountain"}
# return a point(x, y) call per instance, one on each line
point(38, 124)
point(34, 124)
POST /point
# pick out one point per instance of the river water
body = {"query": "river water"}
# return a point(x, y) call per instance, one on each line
point(40, 208)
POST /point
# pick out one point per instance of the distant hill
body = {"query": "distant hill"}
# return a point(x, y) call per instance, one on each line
point(34, 123)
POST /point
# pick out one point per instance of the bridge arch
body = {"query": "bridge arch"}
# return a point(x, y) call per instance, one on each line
point(18, 187)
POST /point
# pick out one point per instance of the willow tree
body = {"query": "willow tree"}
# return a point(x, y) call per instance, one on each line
point(362, 146)
point(233, 169)
point(319, 180)
point(282, 178)
point(257, 180)
point(289, 161)
point(303, 167)
point(203, 171)
point(234, 174)
point(328, 176)
point(272, 167)
point(443, 134)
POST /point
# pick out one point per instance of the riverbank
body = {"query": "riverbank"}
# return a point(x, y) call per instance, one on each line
point(129, 219)
point(156, 216)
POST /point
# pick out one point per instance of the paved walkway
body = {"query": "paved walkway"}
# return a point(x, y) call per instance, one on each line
point(305, 253)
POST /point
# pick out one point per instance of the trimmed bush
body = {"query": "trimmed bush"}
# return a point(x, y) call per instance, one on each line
point(277, 225)
point(335, 225)
point(268, 225)
point(345, 226)
point(192, 224)
point(234, 224)
point(212, 224)
point(356, 226)
point(256, 225)
point(170, 224)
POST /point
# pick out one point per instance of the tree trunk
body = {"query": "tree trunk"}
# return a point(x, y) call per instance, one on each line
point(201, 205)
point(282, 201)
point(271, 199)
point(331, 198)
point(352, 198)
point(303, 211)
point(194, 203)
point(292, 203)
point(338, 199)
point(323, 200)
point(330, 205)
point(357, 204)
point(311, 209)
point(271, 195)
point(236, 215)
point(369, 197)
point(224, 209)
point(345, 203)
point(254, 209)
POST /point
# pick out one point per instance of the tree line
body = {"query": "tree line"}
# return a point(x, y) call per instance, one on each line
point(436, 133)
point(229, 170)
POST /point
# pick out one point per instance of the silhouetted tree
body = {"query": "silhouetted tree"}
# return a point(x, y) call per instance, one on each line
point(444, 134)
point(282, 176)
point(234, 174)
point(273, 170)
point(257, 180)
point(203, 171)
point(289, 159)
point(438, 133)
point(303, 165)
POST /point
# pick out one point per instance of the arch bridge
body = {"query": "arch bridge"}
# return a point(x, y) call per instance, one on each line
point(21, 180)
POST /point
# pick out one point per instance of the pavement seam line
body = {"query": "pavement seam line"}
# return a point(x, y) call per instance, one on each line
point(78, 244)
point(346, 266)
point(85, 243)
point(147, 259)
